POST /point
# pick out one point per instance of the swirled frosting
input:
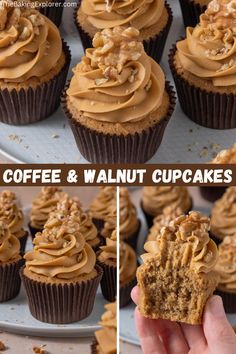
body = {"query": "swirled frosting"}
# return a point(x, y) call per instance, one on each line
point(109, 251)
point(129, 222)
point(100, 207)
point(69, 209)
point(9, 244)
point(44, 204)
point(11, 214)
point(106, 337)
point(162, 220)
point(30, 44)
point(226, 265)
point(155, 199)
point(61, 251)
point(209, 50)
point(128, 263)
point(226, 156)
point(223, 214)
point(110, 13)
point(110, 222)
point(116, 81)
point(186, 240)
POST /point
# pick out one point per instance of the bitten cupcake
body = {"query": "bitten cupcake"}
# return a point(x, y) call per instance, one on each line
point(129, 222)
point(152, 18)
point(177, 276)
point(204, 68)
point(162, 220)
point(226, 268)
point(155, 199)
point(107, 260)
point(33, 65)
point(118, 103)
point(223, 216)
point(100, 207)
point(191, 10)
point(106, 338)
point(10, 263)
point(128, 266)
point(12, 215)
point(61, 269)
point(43, 204)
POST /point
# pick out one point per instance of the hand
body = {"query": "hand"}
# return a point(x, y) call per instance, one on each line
point(214, 336)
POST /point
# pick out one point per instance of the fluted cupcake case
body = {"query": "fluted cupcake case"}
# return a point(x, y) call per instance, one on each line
point(109, 280)
point(211, 194)
point(105, 148)
point(33, 230)
point(153, 46)
point(125, 292)
point(132, 240)
point(54, 13)
point(10, 281)
point(94, 347)
point(208, 109)
point(191, 11)
point(229, 300)
point(23, 241)
point(61, 303)
point(26, 106)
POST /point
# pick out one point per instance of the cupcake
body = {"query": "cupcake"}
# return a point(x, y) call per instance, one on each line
point(152, 18)
point(223, 216)
point(43, 204)
point(107, 260)
point(191, 11)
point(203, 68)
point(34, 65)
point(226, 268)
point(155, 199)
point(128, 267)
point(118, 103)
point(53, 12)
point(101, 206)
point(169, 213)
point(106, 338)
point(61, 269)
point(10, 263)
point(12, 215)
point(177, 276)
point(129, 222)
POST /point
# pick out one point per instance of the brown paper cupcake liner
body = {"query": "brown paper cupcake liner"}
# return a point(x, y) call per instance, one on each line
point(61, 303)
point(105, 148)
point(149, 218)
point(132, 240)
point(99, 223)
point(125, 291)
point(191, 12)
point(23, 241)
point(10, 281)
point(108, 282)
point(54, 13)
point(211, 194)
point(33, 230)
point(229, 300)
point(21, 107)
point(94, 347)
point(154, 46)
point(208, 109)
point(216, 239)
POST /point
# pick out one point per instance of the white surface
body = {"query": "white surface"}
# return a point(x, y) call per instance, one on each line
point(127, 325)
point(39, 146)
point(15, 316)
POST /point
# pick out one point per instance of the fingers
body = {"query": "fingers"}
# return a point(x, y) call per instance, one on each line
point(218, 332)
point(135, 295)
point(148, 335)
point(194, 336)
point(172, 337)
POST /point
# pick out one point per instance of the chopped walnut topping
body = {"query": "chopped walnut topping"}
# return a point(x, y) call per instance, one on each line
point(40, 350)
point(101, 81)
point(149, 85)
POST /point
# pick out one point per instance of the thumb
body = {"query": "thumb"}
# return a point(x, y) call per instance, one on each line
point(218, 331)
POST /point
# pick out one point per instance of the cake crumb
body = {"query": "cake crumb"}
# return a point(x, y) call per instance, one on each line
point(40, 350)
point(55, 136)
point(2, 346)
point(204, 152)
point(190, 130)
point(16, 138)
point(215, 146)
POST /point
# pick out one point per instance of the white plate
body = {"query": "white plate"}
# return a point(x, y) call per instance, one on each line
point(35, 143)
point(127, 325)
point(15, 316)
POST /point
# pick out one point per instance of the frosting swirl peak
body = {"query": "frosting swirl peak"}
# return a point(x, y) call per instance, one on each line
point(9, 244)
point(10, 213)
point(116, 81)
